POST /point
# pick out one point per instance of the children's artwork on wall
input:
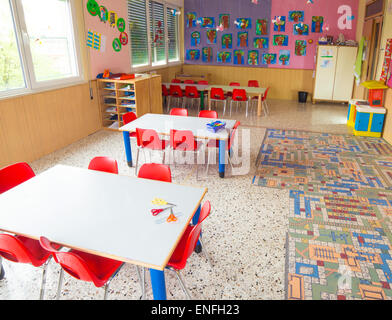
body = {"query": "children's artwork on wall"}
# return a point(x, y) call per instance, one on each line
point(261, 27)
point(242, 39)
point(206, 22)
point(211, 36)
point(301, 29)
point(317, 24)
point(207, 54)
point(239, 57)
point(103, 14)
point(284, 57)
point(243, 23)
point(158, 39)
point(346, 18)
point(193, 55)
point(123, 37)
point(116, 44)
point(269, 58)
point(195, 38)
point(93, 7)
point(279, 23)
point(389, 76)
point(300, 48)
point(95, 40)
point(253, 57)
point(387, 60)
point(260, 43)
point(121, 24)
point(224, 21)
point(191, 19)
point(224, 57)
point(112, 19)
point(227, 41)
point(280, 40)
point(296, 16)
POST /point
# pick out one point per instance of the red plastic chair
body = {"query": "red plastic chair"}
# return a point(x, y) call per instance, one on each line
point(175, 92)
point(149, 139)
point(127, 118)
point(253, 83)
point(179, 112)
point(104, 164)
point(155, 171)
point(187, 245)
point(218, 95)
point(264, 102)
point(165, 94)
point(232, 84)
point(192, 93)
point(14, 174)
point(83, 266)
point(203, 82)
point(176, 81)
point(208, 114)
point(239, 95)
point(189, 81)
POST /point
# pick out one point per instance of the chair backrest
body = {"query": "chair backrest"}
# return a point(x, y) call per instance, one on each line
point(191, 92)
point(189, 81)
point(208, 114)
point(232, 135)
point(70, 262)
point(204, 212)
point(155, 171)
point(11, 248)
point(235, 84)
point(165, 92)
point(129, 117)
point(205, 82)
point(179, 112)
point(239, 95)
point(265, 93)
point(14, 174)
point(217, 94)
point(176, 81)
point(253, 83)
point(175, 90)
point(191, 242)
point(148, 136)
point(182, 137)
point(104, 164)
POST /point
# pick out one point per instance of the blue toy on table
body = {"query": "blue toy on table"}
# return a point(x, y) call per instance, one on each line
point(216, 126)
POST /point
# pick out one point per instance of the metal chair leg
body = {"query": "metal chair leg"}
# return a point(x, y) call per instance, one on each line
point(177, 272)
point(137, 160)
point(105, 295)
point(60, 284)
point(205, 252)
point(43, 283)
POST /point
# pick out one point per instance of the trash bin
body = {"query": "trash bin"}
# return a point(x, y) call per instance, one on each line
point(302, 96)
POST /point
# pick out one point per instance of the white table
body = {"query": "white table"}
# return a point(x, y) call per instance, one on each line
point(101, 213)
point(162, 124)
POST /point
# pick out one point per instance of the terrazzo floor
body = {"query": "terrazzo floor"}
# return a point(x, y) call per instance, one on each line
point(244, 235)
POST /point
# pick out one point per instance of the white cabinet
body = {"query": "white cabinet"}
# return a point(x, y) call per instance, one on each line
point(334, 79)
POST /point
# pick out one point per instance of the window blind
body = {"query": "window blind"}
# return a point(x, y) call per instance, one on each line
point(157, 32)
point(172, 34)
point(137, 13)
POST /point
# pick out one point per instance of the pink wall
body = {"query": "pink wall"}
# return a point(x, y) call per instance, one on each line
point(326, 8)
point(116, 62)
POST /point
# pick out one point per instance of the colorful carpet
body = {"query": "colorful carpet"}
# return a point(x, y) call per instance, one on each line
point(339, 238)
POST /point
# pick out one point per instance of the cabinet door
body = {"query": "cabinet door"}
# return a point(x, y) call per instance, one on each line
point(362, 121)
point(377, 122)
point(344, 75)
point(325, 72)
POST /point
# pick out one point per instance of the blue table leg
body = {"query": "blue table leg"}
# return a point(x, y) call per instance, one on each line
point(222, 160)
point(158, 284)
point(128, 150)
point(195, 220)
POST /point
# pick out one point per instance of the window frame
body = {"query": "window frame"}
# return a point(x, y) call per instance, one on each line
point(25, 55)
point(150, 66)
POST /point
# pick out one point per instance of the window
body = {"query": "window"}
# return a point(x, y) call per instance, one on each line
point(153, 33)
point(37, 45)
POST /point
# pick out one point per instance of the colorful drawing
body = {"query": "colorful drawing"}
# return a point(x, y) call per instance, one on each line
point(261, 27)
point(280, 24)
point(123, 37)
point(227, 41)
point(242, 39)
point(301, 29)
point(191, 19)
point(206, 22)
point(121, 24)
point(253, 57)
point(116, 44)
point(112, 19)
point(239, 57)
point(243, 23)
point(224, 57)
point(284, 57)
point(103, 14)
point(206, 54)
point(93, 7)
point(224, 21)
point(211, 36)
point(300, 48)
point(95, 40)
point(387, 60)
point(260, 43)
point(195, 38)
point(317, 24)
point(280, 40)
point(296, 16)
point(269, 58)
point(192, 55)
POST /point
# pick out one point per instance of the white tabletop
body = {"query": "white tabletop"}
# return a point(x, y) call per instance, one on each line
point(101, 213)
point(162, 123)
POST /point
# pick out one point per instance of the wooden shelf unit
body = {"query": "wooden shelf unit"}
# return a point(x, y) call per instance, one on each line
point(140, 95)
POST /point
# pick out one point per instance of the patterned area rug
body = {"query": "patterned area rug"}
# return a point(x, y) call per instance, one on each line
point(339, 238)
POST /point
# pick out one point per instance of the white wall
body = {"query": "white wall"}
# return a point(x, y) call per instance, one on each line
point(178, 3)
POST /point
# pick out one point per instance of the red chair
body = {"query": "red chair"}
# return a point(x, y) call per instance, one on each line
point(149, 139)
point(176, 93)
point(179, 112)
point(192, 93)
point(264, 102)
point(184, 141)
point(189, 81)
point(232, 84)
point(104, 164)
point(208, 114)
point(239, 95)
point(176, 81)
point(165, 95)
point(186, 246)
point(155, 171)
point(127, 118)
point(203, 82)
point(217, 95)
point(83, 266)
point(14, 174)
point(253, 83)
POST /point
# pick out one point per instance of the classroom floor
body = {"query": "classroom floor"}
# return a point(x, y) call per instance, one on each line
point(244, 235)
